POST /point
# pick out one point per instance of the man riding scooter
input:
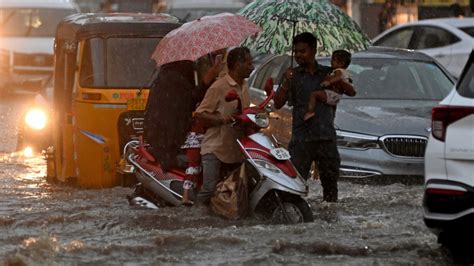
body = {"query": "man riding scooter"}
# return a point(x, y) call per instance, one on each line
point(219, 150)
point(168, 116)
point(275, 189)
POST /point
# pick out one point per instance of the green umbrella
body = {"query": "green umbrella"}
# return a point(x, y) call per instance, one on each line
point(281, 20)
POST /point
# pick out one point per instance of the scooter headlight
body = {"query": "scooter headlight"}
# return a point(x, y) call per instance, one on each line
point(268, 166)
point(261, 119)
point(36, 119)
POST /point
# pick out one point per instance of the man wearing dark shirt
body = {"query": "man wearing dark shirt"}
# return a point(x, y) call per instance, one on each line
point(314, 139)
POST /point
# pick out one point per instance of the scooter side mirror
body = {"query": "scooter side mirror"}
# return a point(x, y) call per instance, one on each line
point(269, 108)
point(231, 96)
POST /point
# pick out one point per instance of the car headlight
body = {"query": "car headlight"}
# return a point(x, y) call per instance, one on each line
point(268, 166)
point(356, 141)
point(36, 119)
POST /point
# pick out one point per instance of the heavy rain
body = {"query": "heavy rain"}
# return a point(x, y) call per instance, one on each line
point(48, 223)
point(69, 193)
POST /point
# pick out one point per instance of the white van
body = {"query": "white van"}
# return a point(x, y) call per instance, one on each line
point(27, 29)
point(187, 10)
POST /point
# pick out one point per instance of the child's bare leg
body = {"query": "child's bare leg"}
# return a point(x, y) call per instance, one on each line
point(186, 188)
point(313, 99)
point(192, 172)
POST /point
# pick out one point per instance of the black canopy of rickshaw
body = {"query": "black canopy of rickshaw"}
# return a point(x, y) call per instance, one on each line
point(82, 26)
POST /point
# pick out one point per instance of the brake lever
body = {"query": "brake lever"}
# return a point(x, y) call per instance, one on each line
point(234, 119)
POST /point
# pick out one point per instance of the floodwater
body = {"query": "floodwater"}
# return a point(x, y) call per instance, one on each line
point(51, 224)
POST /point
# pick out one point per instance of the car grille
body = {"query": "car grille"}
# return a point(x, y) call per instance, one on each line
point(406, 146)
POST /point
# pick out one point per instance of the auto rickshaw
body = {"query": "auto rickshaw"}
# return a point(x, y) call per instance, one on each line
point(103, 70)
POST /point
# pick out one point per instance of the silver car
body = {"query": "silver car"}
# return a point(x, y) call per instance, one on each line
point(383, 130)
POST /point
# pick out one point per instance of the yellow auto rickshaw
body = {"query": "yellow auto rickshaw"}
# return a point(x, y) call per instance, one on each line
point(103, 70)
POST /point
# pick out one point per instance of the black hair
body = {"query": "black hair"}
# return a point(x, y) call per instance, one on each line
point(236, 55)
point(456, 10)
point(343, 56)
point(306, 37)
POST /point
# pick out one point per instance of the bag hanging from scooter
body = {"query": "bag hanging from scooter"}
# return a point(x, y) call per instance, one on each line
point(231, 197)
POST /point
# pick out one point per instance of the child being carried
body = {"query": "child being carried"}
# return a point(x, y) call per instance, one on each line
point(340, 60)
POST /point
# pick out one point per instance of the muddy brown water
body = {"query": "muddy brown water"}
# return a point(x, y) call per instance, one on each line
point(52, 224)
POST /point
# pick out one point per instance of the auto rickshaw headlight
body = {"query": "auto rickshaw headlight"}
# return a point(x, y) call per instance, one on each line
point(36, 119)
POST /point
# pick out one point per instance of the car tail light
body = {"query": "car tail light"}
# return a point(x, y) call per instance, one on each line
point(446, 192)
point(447, 200)
point(443, 116)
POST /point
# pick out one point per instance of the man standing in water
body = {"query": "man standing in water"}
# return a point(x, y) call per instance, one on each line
point(314, 139)
point(219, 149)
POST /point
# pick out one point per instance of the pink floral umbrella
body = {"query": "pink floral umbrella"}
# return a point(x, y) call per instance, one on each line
point(202, 36)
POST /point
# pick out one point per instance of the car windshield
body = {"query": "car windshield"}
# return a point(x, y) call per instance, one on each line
point(117, 62)
point(31, 22)
point(466, 85)
point(468, 30)
point(382, 78)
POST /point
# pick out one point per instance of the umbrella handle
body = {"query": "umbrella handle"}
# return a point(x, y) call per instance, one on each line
point(292, 43)
point(292, 55)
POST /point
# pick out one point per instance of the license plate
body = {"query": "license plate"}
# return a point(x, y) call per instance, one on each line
point(280, 154)
point(136, 104)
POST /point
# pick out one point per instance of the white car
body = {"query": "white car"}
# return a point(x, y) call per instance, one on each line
point(187, 10)
point(27, 29)
point(448, 40)
point(449, 162)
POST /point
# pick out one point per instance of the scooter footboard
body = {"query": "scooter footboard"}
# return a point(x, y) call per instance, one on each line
point(160, 188)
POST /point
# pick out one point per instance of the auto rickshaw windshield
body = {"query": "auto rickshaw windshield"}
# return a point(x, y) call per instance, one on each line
point(117, 62)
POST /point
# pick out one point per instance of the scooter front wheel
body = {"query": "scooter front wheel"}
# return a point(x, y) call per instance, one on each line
point(292, 210)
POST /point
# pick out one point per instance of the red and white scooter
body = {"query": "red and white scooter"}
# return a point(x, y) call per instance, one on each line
point(276, 188)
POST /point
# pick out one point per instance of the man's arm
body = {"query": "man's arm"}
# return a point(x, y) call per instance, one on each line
point(209, 77)
point(213, 72)
point(207, 113)
point(281, 96)
point(212, 119)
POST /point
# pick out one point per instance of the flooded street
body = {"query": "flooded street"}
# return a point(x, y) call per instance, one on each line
point(52, 224)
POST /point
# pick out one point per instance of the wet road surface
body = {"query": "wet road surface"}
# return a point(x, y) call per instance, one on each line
point(49, 224)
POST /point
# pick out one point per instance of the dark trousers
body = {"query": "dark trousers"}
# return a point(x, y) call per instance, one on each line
point(325, 155)
point(213, 170)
